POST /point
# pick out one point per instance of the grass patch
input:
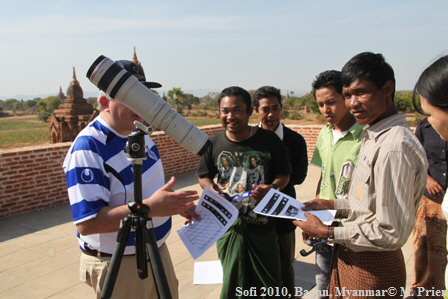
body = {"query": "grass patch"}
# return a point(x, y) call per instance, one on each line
point(198, 122)
point(17, 124)
point(15, 132)
point(23, 137)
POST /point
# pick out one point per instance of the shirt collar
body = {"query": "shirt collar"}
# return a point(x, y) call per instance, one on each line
point(279, 130)
point(355, 129)
point(384, 125)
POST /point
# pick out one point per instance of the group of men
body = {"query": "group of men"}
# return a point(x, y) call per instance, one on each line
point(373, 174)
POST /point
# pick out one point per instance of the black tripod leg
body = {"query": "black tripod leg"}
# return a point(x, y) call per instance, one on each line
point(115, 262)
point(140, 253)
point(156, 262)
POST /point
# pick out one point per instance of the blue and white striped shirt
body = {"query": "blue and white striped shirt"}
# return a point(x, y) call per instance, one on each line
point(99, 174)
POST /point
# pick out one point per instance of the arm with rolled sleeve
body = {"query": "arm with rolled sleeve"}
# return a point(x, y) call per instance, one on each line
point(342, 206)
point(386, 217)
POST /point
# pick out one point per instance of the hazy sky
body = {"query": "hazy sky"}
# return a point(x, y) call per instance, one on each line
point(210, 45)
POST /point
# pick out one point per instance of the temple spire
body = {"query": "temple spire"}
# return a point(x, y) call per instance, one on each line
point(135, 59)
point(74, 90)
point(74, 75)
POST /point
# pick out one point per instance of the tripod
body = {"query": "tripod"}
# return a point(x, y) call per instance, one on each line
point(317, 245)
point(145, 243)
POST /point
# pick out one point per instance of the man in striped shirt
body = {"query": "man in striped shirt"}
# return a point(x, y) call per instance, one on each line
point(100, 184)
point(387, 184)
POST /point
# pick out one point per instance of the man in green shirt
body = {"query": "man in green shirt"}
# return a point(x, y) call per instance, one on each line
point(336, 153)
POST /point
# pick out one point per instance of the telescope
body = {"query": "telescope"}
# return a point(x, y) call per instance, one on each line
point(124, 88)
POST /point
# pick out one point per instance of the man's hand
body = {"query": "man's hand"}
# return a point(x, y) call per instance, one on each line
point(305, 237)
point(190, 214)
point(312, 227)
point(166, 203)
point(434, 188)
point(260, 191)
point(318, 204)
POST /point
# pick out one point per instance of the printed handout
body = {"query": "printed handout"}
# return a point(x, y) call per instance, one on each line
point(217, 215)
point(278, 204)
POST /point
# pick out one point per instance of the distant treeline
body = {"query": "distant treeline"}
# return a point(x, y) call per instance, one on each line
point(185, 103)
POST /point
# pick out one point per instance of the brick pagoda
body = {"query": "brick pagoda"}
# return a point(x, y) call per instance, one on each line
point(72, 115)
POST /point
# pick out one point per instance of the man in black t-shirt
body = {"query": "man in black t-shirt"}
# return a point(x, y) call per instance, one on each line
point(249, 251)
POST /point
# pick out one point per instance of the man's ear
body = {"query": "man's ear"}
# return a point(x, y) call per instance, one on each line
point(389, 88)
point(104, 102)
point(251, 110)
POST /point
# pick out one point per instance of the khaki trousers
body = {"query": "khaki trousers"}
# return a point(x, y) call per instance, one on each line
point(93, 271)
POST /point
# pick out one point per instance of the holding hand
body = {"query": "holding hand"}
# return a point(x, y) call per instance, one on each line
point(312, 227)
point(190, 213)
point(166, 203)
point(318, 204)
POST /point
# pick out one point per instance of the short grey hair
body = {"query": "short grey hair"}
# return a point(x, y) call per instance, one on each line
point(102, 94)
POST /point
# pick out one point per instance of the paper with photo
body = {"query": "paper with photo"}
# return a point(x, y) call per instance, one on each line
point(278, 204)
point(217, 215)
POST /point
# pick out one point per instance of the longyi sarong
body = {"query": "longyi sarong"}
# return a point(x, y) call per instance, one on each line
point(367, 274)
point(250, 260)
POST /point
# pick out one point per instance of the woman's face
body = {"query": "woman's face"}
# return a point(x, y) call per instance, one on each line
point(438, 118)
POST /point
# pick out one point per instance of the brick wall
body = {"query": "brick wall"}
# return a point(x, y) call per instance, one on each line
point(31, 178)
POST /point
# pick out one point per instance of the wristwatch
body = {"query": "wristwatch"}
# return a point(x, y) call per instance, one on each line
point(330, 234)
point(273, 186)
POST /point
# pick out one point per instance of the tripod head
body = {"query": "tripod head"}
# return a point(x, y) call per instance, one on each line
point(135, 146)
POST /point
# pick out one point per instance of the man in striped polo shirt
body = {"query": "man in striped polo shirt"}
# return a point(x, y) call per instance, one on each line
point(100, 184)
point(386, 187)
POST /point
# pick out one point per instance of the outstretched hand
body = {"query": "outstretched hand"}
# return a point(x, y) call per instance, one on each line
point(260, 191)
point(165, 202)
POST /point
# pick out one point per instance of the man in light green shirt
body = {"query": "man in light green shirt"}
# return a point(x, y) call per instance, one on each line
point(336, 153)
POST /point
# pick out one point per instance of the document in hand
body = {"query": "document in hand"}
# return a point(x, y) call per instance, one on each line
point(217, 215)
point(278, 204)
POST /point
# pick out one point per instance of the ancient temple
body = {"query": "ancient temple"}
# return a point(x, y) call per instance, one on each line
point(72, 115)
point(61, 95)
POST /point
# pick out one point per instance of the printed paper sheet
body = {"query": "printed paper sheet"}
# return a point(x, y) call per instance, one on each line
point(217, 215)
point(278, 204)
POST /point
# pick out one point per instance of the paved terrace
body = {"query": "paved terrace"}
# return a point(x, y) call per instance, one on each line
point(39, 253)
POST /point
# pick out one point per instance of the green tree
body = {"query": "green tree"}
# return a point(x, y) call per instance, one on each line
point(209, 102)
point(93, 101)
point(47, 106)
point(18, 106)
point(190, 100)
point(403, 101)
point(32, 103)
point(7, 104)
point(176, 97)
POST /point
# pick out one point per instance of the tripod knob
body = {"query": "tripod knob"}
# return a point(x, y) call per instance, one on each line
point(139, 208)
